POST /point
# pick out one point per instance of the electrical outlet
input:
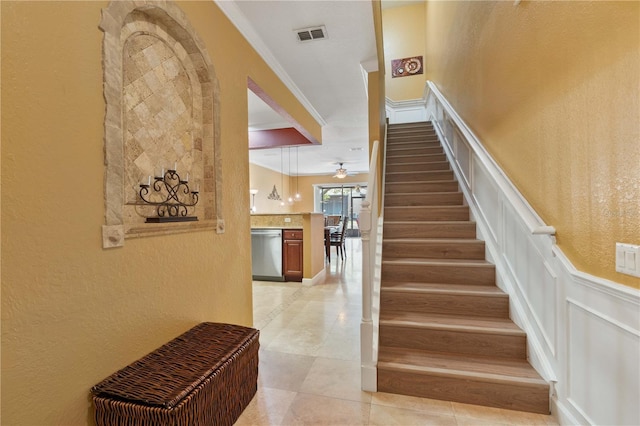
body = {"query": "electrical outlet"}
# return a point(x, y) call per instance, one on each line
point(628, 259)
point(287, 219)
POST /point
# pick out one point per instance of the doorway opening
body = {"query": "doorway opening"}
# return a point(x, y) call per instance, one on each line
point(341, 201)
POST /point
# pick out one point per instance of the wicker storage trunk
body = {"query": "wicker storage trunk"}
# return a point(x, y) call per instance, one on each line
point(206, 376)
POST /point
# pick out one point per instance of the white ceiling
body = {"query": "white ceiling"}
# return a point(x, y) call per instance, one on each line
point(325, 75)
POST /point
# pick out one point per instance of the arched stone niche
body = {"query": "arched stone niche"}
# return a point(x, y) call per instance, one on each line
point(161, 110)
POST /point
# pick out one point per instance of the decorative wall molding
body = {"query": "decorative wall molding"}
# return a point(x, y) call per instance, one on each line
point(162, 109)
point(409, 111)
point(583, 331)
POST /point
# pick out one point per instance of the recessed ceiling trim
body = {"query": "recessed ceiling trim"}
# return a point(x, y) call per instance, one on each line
point(262, 139)
point(257, 90)
point(237, 18)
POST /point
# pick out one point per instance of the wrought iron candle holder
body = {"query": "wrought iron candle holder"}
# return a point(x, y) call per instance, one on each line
point(175, 197)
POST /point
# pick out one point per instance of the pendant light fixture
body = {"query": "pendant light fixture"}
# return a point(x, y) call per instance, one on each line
point(290, 196)
point(298, 196)
point(253, 193)
point(281, 175)
point(274, 192)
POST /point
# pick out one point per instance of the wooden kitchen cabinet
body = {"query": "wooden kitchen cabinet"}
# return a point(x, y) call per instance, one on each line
point(292, 254)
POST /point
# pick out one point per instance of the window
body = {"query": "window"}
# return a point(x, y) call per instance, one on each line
point(342, 200)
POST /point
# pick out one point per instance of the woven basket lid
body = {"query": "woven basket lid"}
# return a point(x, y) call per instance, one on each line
point(165, 376)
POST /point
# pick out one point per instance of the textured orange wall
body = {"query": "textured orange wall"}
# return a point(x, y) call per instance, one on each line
point(403, 27)
point(72, 312)
point(552, 89)
point(263, 180)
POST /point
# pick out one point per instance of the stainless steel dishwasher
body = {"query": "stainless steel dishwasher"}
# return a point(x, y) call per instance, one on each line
point(266, 254)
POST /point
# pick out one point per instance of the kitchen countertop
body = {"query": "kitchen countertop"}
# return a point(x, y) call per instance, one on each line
point(280, 220)
point(276, 227)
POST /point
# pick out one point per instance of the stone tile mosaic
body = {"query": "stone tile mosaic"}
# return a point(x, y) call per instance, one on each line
point(158, 81)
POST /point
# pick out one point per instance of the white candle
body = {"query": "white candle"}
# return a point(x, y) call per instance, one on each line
point(175, 166)
point(187, 179)
point(149, 180)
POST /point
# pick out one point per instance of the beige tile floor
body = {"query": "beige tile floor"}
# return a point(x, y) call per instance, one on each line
point(309, 370)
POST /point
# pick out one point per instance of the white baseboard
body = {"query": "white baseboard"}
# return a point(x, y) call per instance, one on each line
point(319, 277)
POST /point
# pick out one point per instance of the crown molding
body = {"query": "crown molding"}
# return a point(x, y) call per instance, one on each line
point(237, 18)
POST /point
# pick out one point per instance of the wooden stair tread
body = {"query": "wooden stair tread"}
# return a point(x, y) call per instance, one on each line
point(413, 194)
point(412, 140)
point(433, 240)
point(429, 229)
point(418, 167)
point(435, 200)
point(399, 139)
point(431, 147)
point(461, 289)
point(402, 156)
point(471, 367)
point(421, 187)
point(392, 132)
point(422, 126)
point(444, 207)
point(429, 176)
point(502, 326)
point(427, 222)
point(416, 182)
point(419, 163)
point(398, 149)
point(417, 172)
point(438, 262)
point(409, 129)
point(414, 125)
point(408, 160)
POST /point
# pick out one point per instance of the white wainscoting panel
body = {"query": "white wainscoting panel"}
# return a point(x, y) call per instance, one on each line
point(602, 386)
point(583, 332)
point(406, 111)
point(462, 154)
point(486, 198)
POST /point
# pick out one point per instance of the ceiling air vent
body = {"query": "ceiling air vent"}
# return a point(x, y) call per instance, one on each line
point(313, 33)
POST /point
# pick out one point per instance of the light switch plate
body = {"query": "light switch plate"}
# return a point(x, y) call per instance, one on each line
point(628, 259)
point(287, 219)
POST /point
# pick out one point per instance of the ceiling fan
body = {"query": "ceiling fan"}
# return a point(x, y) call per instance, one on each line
point(341, 172)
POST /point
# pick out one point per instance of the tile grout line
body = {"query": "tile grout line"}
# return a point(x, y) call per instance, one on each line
point(281, 307)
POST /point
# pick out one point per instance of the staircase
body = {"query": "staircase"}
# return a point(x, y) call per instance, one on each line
point(445, 331)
